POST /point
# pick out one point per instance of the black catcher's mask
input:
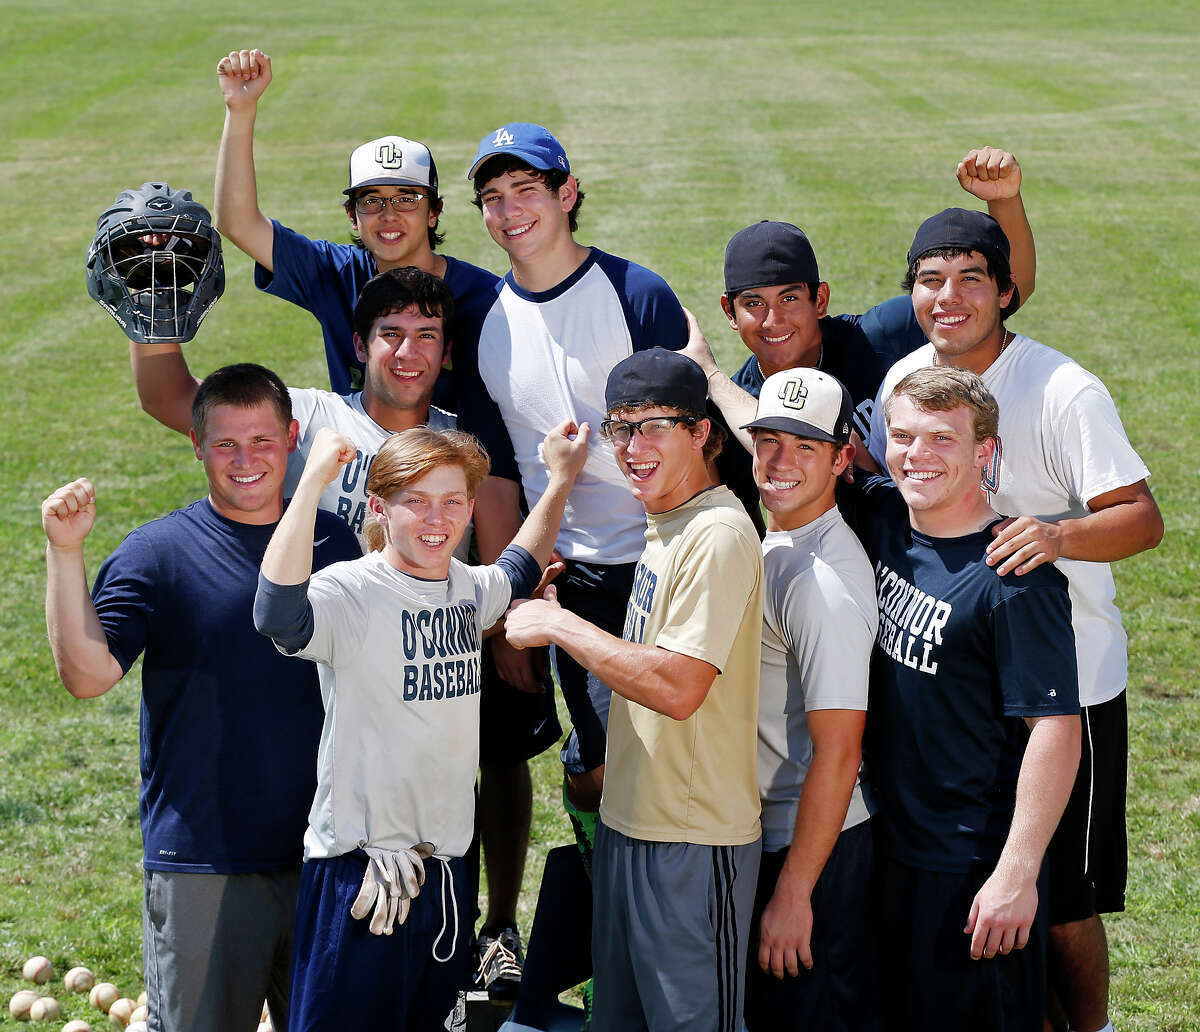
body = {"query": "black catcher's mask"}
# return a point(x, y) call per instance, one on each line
point(155, 263)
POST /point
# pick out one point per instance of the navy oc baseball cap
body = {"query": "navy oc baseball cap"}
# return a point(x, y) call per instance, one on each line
point(657, 376)
point(960, 229)
point(769, 254)
point(807, 403)
point(525, 140)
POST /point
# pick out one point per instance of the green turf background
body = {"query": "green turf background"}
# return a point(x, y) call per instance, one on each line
point(684, 121)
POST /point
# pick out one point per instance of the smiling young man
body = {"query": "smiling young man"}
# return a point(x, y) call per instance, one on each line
point(973, 728)
point(229, 728)
point(811, 951)
point(565, 316)
point(677, 847)
point(1077, 493)
point(393, 206)
point(396, 635)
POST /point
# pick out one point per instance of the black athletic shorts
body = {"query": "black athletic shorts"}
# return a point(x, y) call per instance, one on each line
point(514, 726)
point(600, 595)
point(930, 980)
point(1088, 858)
point(841, 992)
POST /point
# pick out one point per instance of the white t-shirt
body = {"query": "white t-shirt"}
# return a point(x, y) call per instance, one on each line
point(545, 357)
point(398, 660)
point(1062, 444)
point(819, 622)
point(346, 497)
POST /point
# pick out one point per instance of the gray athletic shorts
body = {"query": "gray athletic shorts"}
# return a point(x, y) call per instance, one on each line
point(215, 946)
point(670, 921)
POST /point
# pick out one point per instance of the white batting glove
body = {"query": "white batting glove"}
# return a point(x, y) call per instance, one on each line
point(392, 879)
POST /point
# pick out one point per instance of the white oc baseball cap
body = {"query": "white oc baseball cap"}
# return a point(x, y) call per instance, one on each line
point(392, 161)
point(807, 403)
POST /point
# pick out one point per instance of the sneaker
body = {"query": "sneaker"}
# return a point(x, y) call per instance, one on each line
point(500, 961)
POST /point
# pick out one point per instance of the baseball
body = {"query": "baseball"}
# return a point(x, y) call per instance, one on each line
point(143, 999)
point(121, 1011)
point(45, 1008)
point(103, 996)
point(78, 980)
point(37, 969)
point(139, 1014)
point(19, 1005)
point(136, 1026)
point(77, 1026)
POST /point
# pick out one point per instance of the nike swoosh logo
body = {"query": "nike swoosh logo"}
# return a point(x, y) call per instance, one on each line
point(320, 541)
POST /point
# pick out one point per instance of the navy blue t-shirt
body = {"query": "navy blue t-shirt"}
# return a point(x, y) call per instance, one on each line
point(229, 727)
point(962, 655)
point(325, 278)
point(858, 350)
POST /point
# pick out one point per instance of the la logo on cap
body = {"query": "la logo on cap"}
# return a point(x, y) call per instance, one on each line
point(793, 393)
point(503, 138)
point(389, 156)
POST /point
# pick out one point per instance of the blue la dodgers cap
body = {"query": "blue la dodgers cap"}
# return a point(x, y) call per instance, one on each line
point(525, 140)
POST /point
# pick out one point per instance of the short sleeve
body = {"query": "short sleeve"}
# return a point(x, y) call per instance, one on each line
point(125, 597)
point(340, 619)
point(494, 589)
point(1035, 651)
point(892, 329)
point(1094, 452)
point(717, 574)
point(652, 311)
point(831, 638)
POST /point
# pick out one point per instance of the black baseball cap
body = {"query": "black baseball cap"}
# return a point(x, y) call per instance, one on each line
point(660, 377)
point(960, 229)
point(768, 254)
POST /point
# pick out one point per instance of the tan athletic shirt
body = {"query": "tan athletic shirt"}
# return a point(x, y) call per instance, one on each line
point(697, 591)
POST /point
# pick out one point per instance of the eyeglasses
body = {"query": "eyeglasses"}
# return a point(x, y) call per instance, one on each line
point(372, 204)
point(621, 431)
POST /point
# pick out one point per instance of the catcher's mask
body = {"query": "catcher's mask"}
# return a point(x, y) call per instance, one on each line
point(155, 263)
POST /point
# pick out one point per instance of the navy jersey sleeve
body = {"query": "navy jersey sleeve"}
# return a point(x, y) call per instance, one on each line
point(521, 569)
point(749, 377)
point(892, 329)
point(323, 278)
point(125, 597)
point(652, 311)
point(1035, 646)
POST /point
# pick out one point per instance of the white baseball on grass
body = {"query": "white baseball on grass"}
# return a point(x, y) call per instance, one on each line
point(121, 1011)
point(77, 1026)
point(19, 1005)
point(78, 980)
point(45, 1008)
point(37, 969)
point(104, 995)
point(143, 1000)
point(139, 1014)
point(136, 1026)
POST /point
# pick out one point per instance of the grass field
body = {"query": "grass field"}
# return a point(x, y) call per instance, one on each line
point(684, 121)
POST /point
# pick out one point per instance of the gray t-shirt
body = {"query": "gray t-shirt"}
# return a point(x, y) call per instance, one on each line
point(819, 623)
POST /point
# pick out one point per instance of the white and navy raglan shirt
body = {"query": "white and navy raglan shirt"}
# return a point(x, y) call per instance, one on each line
point(545, 357)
